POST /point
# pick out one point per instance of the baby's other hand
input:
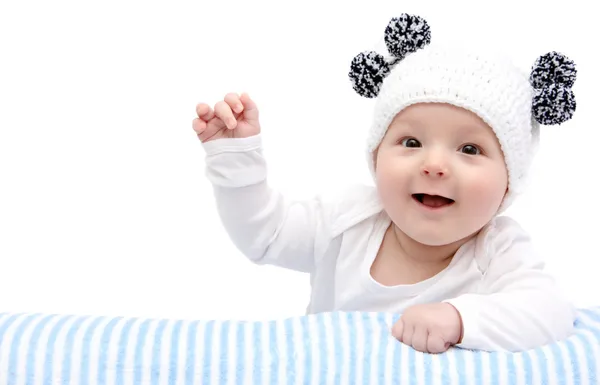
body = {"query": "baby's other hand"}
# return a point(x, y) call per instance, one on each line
point(234, 117)
point(429, 328)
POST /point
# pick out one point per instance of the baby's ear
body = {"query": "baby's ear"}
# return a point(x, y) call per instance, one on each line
point(552, 76)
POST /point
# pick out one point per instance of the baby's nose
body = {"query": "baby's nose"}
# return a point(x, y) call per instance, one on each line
point(434, 169)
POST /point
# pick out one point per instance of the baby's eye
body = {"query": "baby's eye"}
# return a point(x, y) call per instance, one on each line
point(410, 142)
point(470, 149)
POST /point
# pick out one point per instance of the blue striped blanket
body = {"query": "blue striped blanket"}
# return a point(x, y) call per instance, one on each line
point(329, 348)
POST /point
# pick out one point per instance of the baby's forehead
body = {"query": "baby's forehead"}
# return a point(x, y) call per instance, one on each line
point(443, 131)
point(440, 116)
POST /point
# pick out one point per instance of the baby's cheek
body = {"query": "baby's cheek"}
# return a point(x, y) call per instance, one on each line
point(392, 189)
point(486, 192)
point(385, 187)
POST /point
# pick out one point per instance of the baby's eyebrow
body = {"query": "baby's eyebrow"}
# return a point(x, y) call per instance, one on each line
point(472, 128)
point(407, 123)
point(477, 132)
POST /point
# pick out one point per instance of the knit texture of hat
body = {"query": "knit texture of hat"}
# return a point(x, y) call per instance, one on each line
point(512, 102)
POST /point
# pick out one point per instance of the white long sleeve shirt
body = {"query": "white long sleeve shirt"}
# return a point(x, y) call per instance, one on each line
point(496, 280)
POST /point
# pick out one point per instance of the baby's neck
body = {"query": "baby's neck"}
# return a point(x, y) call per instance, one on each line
point(403, 261)
point(418, 254)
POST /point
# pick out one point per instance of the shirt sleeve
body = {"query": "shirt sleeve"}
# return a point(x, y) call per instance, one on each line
point(519, 306)
point(265, 226)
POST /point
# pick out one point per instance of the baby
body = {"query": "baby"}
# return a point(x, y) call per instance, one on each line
point(449, 149)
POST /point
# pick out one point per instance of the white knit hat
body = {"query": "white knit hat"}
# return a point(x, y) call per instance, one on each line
point(513, 103)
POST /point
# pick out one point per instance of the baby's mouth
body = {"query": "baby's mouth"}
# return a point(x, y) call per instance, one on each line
point(433, 201)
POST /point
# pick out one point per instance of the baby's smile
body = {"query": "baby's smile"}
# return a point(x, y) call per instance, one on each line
point(433, 201)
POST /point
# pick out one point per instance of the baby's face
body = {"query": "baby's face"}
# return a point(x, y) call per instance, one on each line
point(440, 173)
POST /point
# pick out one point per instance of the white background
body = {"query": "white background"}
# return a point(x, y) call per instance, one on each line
point(104, 207)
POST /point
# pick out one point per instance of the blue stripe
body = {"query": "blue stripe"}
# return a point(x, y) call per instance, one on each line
point(527, 368)
point(337, 347)
point(306, 348)
point(104, 346)
point(368, 331)
point(460, 356)
point(593, 314)
point(586, 342)
point(445, 367)
point(590, 337)
point(48, 367)
point(412, 370)
point(156, 352)
point(512, 369)
point(174, 356)
point(223, 352)
point(190, 362)
point(427, 368)
point(33, 347)
point(594, 328)
point(494, 365)
point(559, 366)
point(274, 368)
point(14, 348)
point(207, 336)
point(68, 350)
point(477, 363)
point(85, 351)
point(6, 324)
point(397, 357)
point(121, 352)
point(257, 351)
point(138, 358)
point(382, 373)
point(290, 361)
point(574, 361)
point(351, 346)
point(3, 317)
point(542, 365)
point(241, 345)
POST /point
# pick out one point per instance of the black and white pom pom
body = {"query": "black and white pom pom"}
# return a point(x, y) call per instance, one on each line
point(406, 34)
point(553, 68)
point(552, 76)
point(553, 104)
point(367, 72)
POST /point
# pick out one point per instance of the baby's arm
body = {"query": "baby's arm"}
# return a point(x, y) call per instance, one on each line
point(261, 222)
point(520, 306)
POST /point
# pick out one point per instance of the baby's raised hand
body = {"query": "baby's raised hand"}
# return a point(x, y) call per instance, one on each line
point(429, 328)
point(234, 117)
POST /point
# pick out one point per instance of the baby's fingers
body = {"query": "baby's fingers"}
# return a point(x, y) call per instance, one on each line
point(204, 112)
point(420, 339)
point(199, 126)
point(234, 102)
point(398, 329)
point(436, 344)
point(250, 110)
point(223, 112)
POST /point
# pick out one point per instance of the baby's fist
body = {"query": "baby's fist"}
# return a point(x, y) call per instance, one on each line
point(429, 328)
point(234, 117)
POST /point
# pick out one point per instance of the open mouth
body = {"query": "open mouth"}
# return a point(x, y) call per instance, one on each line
point(433, 201)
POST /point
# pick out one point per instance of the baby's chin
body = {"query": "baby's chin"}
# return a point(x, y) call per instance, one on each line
point(437, 236)
point(433, 240)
